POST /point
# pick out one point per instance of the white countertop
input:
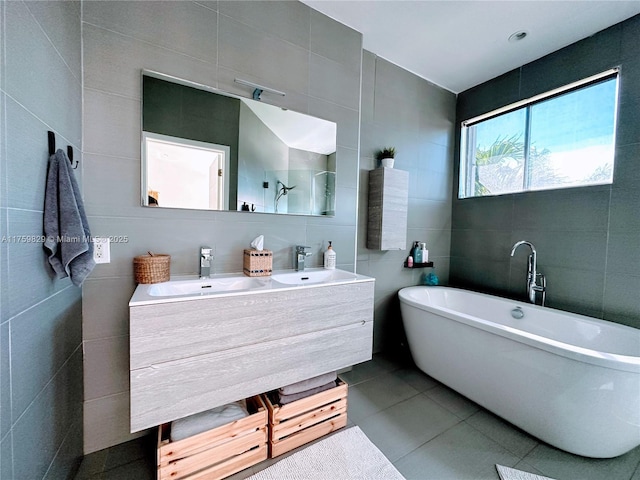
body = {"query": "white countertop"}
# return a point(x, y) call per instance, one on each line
point(143, 295)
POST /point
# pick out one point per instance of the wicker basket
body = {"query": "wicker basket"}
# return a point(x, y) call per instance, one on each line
point(257, 263)
point(152, 268)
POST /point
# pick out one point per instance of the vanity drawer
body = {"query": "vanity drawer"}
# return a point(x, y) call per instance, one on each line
point(306, 419)
point(216, 453)
point(173, 331)
point(171, 390)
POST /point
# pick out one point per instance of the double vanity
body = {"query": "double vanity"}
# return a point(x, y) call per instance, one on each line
point(200, 343)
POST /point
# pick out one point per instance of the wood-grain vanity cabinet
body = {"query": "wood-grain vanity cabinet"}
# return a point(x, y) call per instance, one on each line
point(194, 355)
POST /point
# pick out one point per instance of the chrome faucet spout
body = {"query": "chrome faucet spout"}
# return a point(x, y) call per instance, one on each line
point(523, 242)
point(300, 256)
point(206, 260)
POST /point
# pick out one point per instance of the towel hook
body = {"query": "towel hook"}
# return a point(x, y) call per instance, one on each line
point(70, 155)
point(52, 148)
point(52, 142)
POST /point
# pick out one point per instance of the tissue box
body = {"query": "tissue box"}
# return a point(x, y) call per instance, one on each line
point(257, 263)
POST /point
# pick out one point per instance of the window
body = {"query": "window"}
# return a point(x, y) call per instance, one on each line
point(561, 139)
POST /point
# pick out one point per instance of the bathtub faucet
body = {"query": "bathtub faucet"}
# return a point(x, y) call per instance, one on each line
point(532, 275)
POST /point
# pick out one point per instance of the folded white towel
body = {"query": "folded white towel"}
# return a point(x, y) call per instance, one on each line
point(308, 384)
point(210, 419)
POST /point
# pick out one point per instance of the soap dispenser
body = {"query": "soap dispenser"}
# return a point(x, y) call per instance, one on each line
point(425, 252)
point(417, 254)
point(330, 258)
point(412, 252)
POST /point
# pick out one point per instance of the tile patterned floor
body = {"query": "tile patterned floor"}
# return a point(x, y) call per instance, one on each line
point(427, 430)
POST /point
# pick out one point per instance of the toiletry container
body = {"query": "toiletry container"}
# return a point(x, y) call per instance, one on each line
point(410, 262)
point(424, 252)
point(417, 256)
point(412, 252)
point(330, 258)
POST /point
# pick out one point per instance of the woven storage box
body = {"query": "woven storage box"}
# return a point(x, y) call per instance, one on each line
point(216, 453)
point(152, 268)
point(257, 263)
point(304, 420)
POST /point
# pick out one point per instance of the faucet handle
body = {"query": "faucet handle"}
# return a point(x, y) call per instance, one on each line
point(301, 248)
point(205, 251)
point(542, 288)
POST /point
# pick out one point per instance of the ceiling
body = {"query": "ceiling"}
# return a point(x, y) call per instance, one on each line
point(296, 130)
point(459, 44)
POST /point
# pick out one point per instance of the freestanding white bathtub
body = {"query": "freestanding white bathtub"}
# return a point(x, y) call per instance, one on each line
point(570, 380)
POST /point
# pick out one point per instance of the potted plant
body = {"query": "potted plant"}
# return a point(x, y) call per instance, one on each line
point(386, 156)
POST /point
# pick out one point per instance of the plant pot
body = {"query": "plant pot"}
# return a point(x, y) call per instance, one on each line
point(387, 162)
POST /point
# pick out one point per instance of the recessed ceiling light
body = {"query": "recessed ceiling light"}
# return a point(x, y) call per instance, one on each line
point(516, 37)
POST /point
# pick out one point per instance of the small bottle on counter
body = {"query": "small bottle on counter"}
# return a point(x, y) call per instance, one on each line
point(410, 262)
point(330, 258)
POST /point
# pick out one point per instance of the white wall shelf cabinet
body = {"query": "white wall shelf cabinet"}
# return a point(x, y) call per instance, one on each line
point(388, 207)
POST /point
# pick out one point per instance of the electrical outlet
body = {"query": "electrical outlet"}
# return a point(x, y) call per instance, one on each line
point(101, 250)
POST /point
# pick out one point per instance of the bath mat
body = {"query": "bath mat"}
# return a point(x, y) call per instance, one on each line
point(507, 473)
point(347, 455)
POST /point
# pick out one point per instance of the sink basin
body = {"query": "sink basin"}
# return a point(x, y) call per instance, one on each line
point(185, 288)
point(312, 276)
point(206, 286)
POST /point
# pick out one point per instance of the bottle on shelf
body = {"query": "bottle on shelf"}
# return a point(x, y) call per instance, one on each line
point(412, 252)
point(417, 256)
point(424, 253)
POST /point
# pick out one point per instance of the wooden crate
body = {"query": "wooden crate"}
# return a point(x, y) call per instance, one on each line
point(216, 453)
point(299, 422)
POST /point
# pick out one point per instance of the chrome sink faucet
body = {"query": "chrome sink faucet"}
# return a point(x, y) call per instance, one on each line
point(532, 275)
point(206, 260)
point(300, 256)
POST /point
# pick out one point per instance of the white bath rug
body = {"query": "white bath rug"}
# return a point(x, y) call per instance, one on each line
point(507, 473)
point(347, 455)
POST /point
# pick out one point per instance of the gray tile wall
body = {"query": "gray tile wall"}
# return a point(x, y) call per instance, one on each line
point(588, 239)
point(402, 110)
point(40, 317)
point(314, 59)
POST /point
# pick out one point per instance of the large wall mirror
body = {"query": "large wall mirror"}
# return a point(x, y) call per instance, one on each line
point(205, 149)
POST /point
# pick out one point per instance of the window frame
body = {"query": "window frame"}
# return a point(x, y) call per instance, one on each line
point(466, 166)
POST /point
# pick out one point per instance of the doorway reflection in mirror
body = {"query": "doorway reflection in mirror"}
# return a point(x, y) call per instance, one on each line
point(190, 174)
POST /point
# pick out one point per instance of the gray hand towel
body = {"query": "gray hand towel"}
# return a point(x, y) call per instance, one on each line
point(284, 399)
point(203, 421)
point(66, 230)
point(308, 384)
